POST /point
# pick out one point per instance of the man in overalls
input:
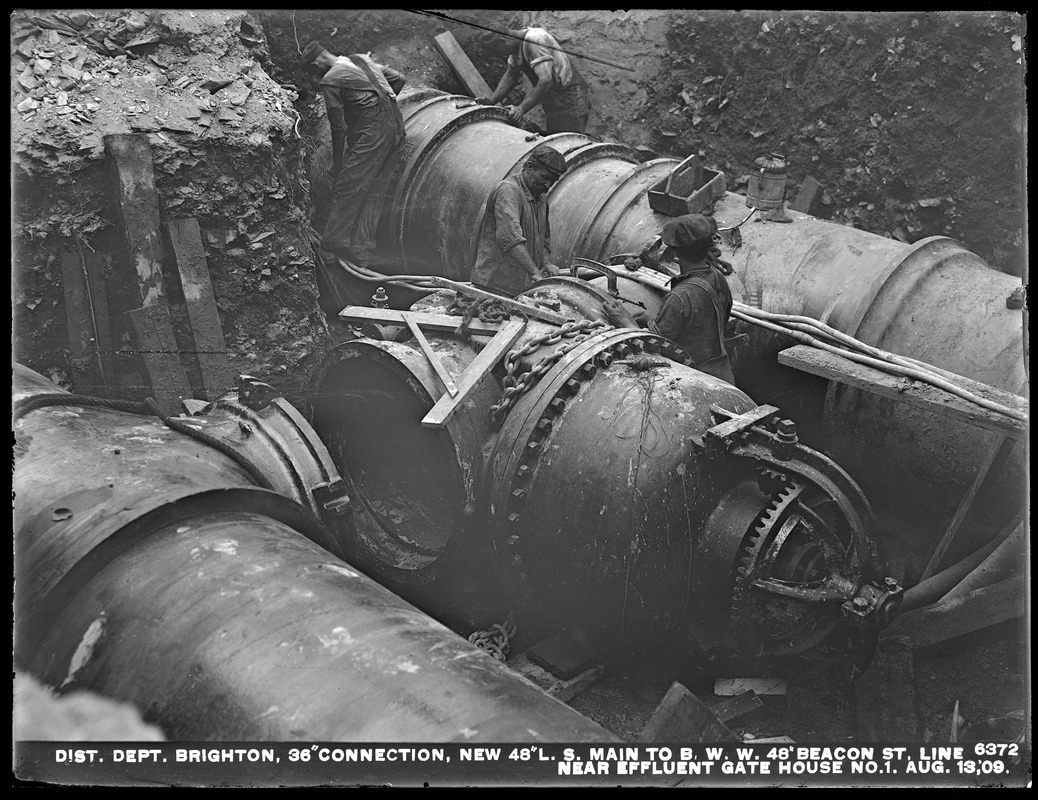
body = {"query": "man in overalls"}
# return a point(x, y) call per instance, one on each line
point(556, 85)
point(696, 309)
point(367, 133)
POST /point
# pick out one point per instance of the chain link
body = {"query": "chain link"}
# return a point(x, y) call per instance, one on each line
point(516, 387)
point(496, 639)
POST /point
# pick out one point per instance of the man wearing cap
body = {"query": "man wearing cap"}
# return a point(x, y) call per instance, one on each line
point(556, 85)
point(696, 309)
point(515, 239)
point(367, 132)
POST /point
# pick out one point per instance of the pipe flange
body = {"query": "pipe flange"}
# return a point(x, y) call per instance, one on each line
point(531, 432)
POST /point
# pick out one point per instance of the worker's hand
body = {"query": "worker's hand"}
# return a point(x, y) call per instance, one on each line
point(614, 312)
point(641, 316)
point(515, 114)
point(549, 270)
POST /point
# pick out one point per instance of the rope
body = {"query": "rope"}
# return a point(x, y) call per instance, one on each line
point(496, 639)
point(29, 404)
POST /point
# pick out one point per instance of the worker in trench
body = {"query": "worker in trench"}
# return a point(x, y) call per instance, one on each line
point(555, 83)
point(367, 134)
point(695, 311)
point(515, 239)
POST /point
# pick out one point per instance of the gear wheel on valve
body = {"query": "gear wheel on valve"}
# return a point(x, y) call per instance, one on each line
point(791, 550)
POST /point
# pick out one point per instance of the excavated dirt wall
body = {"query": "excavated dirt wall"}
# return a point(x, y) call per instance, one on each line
point(227, 150)
point(913, 123)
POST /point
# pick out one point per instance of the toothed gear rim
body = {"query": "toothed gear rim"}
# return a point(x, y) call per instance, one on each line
point(765, 624)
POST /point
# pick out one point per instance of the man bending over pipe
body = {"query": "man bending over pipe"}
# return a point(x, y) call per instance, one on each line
point(557, 86)
point(367, 132)
point(696, 309)
point(515, 240)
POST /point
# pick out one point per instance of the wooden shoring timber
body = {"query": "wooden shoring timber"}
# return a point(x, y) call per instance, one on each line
point(211, 350)
point(475, 374)
point(137, 201)
point(916, 393)
point(993, 463)
point(885, 694)
point(157, 347)
point(451, 52)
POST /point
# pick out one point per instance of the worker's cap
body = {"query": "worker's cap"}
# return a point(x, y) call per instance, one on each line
point(687, 230)
point(312, 51)
point(550, 159)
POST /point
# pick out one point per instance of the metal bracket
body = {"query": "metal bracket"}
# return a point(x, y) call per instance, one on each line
point(331, 498)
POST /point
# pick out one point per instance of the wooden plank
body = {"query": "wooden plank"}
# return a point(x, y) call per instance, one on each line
point(559, 688)
point(994, 462)
point(211, 350)
point(947, 619)
point(449, 49)
point(683, 717)
point(885, 697)
point(138, 204)
point(728, 687)
point(736, 706)
point(441, 323)
point(561, 655)
point(511, 305)
point(741, 422)
point(434, 359)
point(155, 343)
point(474, 375)
point(915, 393)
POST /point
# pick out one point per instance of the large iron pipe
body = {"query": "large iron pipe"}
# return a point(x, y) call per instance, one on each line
point(592, 499)
point(933, 301)
point(151, 569)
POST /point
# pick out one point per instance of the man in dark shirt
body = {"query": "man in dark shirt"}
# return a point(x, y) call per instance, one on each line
point(696, 309)
point(367, 133)
point(556, 85)
point(515, 239)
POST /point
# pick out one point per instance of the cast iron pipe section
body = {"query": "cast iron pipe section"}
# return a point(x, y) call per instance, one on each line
point(151, 569)
point(599, 480)
point(932, 300)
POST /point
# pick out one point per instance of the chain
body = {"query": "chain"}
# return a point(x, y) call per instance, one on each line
point(496, 639)
point(516, 387)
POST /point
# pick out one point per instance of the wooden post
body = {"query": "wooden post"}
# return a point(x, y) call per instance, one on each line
point(186, 241)
point(994, 462)
point(885, 697)
point(437, 365)
point(918, 394)
point(138, 203)
point(153, 337)
point(475, 373)
point(447, 46)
